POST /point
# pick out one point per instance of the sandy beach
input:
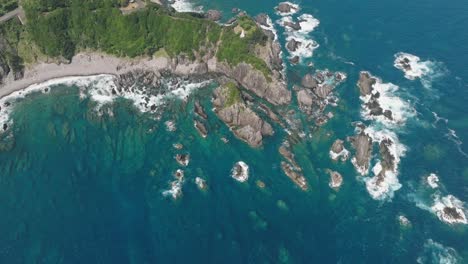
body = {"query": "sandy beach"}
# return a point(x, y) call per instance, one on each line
point(83, 64)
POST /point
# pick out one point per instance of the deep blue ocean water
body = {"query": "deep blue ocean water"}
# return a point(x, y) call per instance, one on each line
point(79, 187)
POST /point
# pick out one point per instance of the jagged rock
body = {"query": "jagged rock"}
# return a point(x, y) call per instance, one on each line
point(323, 90)
point(183, 159)
point(294, 60)
point(305, 99)
point(295, 176)
point(285, 7)
point(262, 19)
point(363, 145)
point(365, 83)
point(199, 110)
point(201, 128)
point(270, 114)
point(245, 123)
point(213, 15)
point(294, 25)
point(308, 81)
point(274, 91)
point(240, 171)
point(338, 146)
point(293, 45)
point(235, 10)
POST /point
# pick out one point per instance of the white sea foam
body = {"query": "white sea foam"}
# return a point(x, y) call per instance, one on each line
point(383, 188)
point(308, 23)
point(103, 90)
point(176, 186)
point(307, 45)
point(433, 181)
point(449, 202)
point(452, 136)
point(270, 27)
point(186, 6)
point(294, 9)
point(243, 174)
point(438, 254)
point(344, 155)
point(414, 68)
point(387, 100)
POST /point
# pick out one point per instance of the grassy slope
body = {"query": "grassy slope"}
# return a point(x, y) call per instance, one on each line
point(60, 28)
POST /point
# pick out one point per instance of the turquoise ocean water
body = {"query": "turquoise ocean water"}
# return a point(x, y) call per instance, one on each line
point(80, 185)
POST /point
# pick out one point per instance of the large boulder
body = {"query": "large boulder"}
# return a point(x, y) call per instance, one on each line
point(304, 99)
point(308, 81)
point(365, 83)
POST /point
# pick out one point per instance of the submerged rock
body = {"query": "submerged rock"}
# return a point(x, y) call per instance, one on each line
point(201, 128)
point(294, 60)
point(201, 183)
point(198, 108)
point(240, 171)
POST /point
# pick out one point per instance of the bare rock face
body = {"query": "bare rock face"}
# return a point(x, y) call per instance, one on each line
point(337, 146)
point(244, 122)
point(201, 128)
point(363, 145)
point(308, 81)
point(336, 180)
point(323, 91)
point(262, 19)
point(293, 45)
point(273, 90)
point(294, 60)
point(365, 83)
point(305, 99)
point(291, 168)
point(213, 15)
point(199, 110)
point(284, 7)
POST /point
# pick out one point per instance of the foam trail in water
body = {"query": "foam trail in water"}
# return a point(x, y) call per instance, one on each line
point(414, 68)
point(435, 252)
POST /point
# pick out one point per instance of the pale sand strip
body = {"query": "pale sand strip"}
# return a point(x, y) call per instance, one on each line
point(83, 64)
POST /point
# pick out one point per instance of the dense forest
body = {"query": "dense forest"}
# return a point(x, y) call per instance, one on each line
point(61, 28)
point(7, 6)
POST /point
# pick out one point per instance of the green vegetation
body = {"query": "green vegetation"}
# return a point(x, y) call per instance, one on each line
point(61, 28)
point(235, 49)
point(73, 25)
point(233, 94)
point(10, 36)
point(7, 6)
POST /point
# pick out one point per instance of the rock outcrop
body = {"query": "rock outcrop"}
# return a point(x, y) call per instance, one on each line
point(291, 168)
point(213, 15)
point(338, 151)
point(243, 121)
point(362, 143)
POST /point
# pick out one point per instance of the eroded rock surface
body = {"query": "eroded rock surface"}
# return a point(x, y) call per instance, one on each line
point(243, 121)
